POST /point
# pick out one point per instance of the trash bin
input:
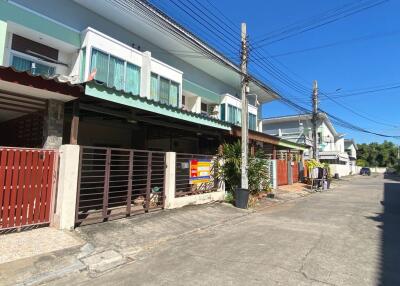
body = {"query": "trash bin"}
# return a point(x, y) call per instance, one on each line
point(241, 198)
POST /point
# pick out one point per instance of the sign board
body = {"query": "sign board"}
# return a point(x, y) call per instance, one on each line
point(199, 171)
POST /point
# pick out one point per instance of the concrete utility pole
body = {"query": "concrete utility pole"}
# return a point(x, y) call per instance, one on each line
point(243, 68)
point(315, 120)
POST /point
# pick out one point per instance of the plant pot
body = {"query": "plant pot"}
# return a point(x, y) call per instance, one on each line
point(241, 198)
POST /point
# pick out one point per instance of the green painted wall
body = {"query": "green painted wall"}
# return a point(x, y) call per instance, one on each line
point(201, 91)
point(10, 12)
point(99, 91)
point(3, 35)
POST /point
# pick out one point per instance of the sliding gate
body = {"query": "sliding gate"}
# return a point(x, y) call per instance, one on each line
point(115, 183)
point(27, 178)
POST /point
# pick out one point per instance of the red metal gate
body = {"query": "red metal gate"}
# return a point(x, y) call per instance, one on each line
point(118, 182)
point(26, 184)
point(295, 172)
point(282, 172)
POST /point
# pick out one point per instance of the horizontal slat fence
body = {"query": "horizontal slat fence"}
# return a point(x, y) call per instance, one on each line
point(118, 182)
point(26, 184)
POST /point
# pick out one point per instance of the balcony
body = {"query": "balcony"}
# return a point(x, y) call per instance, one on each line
point(122, 67)
point(230, 111)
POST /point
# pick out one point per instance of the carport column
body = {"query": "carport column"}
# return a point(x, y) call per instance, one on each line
point(145, 75)
point(67, 189)
point(3, 40)
point(170, 173)
point(53, 124)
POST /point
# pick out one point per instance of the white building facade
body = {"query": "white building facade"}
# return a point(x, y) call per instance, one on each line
point(331, 144)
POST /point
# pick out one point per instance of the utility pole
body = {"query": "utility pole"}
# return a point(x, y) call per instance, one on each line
point(244, 87)
point(315, 120)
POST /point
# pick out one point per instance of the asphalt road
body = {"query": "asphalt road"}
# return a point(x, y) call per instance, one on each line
point(349, 236)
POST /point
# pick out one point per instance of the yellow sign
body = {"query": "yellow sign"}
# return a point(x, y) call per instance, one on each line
point(199, 171)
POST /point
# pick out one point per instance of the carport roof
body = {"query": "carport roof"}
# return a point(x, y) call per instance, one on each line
point(100, 90)
point(52, 84)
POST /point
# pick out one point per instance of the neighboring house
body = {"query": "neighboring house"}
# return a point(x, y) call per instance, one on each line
point(298, 128)
point(141, 90)
point(351, 148)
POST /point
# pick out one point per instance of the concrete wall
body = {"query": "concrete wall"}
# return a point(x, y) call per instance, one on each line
point(342, 170)
point(67, 187)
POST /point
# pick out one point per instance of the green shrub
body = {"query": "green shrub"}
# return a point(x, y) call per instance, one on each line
point(229, 171)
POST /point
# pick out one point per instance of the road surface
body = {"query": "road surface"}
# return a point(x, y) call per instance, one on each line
point(349, 236)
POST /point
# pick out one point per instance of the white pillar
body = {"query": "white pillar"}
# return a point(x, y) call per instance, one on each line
point(274, 174)
point(170, 173)
point(145, 74)
point(259, 118)
point(67, 186)
point(3, 42)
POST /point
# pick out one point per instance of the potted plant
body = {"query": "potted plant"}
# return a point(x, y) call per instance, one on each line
point(228, 170)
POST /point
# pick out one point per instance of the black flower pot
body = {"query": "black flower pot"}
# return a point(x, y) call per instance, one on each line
point(241, 198)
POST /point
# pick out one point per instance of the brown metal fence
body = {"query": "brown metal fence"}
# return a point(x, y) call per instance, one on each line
point(115, 183)
point(182, 185)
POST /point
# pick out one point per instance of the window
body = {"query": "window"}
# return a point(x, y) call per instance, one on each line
point(204, 108)
point(154, 87)
point(132, 81)
point(115, 72)
point(223, 106)
point(252, 122)
point(164, 90)
point(234, 115)
point(319, 137)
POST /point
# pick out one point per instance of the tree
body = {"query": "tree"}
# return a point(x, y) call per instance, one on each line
point(377, 155)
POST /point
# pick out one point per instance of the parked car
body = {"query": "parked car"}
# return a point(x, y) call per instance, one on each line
point(365, 171)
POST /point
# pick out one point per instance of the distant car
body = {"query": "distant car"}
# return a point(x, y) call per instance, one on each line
point(365, 171)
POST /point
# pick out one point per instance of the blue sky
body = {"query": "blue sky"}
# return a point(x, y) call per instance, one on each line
point(350, 66)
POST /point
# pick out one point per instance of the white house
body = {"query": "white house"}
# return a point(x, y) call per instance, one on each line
point(331, 144)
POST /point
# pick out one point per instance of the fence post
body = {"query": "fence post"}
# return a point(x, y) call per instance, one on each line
point(170, 173)
point(64, 217)
point(274, 174)
point(290, 171)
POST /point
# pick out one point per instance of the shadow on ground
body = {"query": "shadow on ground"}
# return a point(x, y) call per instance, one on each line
point(390, 236)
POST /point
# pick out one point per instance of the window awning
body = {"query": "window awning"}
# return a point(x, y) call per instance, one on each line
point(101, 91)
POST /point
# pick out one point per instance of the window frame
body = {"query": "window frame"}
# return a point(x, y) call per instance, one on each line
point(108, 66)
point(178, 101)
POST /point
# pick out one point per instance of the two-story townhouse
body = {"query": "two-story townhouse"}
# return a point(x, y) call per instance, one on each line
point(141, 90)
point(298, 128)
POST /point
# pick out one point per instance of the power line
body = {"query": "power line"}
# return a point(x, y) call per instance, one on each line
point(338, 43)
point(341, 13)
point(284, 99)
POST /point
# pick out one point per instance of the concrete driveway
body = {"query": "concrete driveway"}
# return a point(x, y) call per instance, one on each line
point(349, 236)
